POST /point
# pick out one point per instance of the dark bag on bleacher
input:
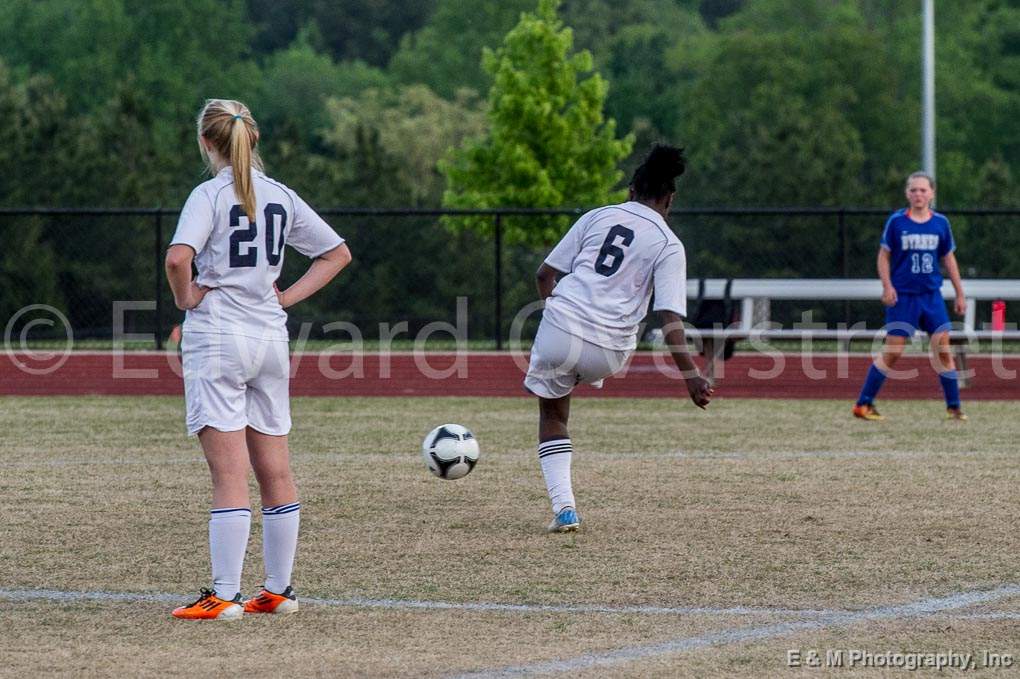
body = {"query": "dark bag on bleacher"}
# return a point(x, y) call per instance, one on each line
point(711, 314)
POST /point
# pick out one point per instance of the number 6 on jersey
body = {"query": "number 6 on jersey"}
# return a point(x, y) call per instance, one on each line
point(610, 249)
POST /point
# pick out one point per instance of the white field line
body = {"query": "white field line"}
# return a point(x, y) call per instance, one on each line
point(822, 615)
point(757, 456)
point(405, 604)
point(551, 608)
point(1000, 615)
point(390, 458)
point(924, 607)
point(815, 454)
point(116, 461)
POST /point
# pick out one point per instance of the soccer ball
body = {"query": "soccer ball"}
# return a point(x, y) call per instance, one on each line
point(450, 451)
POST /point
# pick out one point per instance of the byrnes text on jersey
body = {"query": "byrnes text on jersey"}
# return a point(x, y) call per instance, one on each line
point(915, 250)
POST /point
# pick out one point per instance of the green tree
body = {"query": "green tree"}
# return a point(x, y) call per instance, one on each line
point(713, 11)
point(411, 125)
point(549, 144)
point(597, 22)
point(362, 30)
point(631, 44)
point(297, 81)
point(991, 242)
point(177, 52)
point(862, 58)
point(28, 269)
point(446, 54)
point(83, 45)
point(36, 128)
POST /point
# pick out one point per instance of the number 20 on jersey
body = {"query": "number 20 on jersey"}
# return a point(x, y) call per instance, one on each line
point(244, 251)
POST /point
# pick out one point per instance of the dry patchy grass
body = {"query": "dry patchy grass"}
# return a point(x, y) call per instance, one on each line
point(754, 503)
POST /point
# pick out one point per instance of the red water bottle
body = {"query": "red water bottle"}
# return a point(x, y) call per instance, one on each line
point(998, 316)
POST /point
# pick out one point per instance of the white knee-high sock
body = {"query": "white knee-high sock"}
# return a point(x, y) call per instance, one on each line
point(228, 539)
point(279, 543)
point(555, 457)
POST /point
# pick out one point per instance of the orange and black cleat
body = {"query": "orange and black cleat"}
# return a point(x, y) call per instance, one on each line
point(211, 607)
point(268, 602)
point(866, 411)
point(955, 414)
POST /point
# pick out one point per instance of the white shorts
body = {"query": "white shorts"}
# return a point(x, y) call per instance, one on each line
point(232, 382)
point(560, 361)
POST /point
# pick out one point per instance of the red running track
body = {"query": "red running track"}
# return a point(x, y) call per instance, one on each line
point(497, 374)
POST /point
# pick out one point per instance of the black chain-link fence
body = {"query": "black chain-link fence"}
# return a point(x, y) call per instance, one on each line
point(410, 267)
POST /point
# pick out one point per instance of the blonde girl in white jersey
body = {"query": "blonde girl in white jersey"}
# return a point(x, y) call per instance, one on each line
point(235, 350)
point(597, 284)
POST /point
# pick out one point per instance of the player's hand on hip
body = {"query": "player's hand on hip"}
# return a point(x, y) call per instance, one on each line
point(960, 306)
point(701, 390)
point(889, 296)
point(279, 296)
point(196, 293)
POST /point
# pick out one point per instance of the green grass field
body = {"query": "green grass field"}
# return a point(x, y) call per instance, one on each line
point(711, 541)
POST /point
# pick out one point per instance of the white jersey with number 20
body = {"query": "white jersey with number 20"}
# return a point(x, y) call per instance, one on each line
point(614, 257)
point(242, 259)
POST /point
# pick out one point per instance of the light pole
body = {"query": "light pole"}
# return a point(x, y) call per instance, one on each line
point(928, 87)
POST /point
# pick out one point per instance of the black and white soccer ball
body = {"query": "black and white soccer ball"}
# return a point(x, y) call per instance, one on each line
point(450, 451)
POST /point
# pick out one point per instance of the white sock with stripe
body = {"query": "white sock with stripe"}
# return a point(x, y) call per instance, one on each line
point(228, 540)
point(555, 457)
point(279, 543)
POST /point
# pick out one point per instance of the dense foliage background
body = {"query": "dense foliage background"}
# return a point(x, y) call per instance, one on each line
point(779, 102)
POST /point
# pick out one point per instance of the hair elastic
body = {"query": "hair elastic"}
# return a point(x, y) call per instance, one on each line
point(238, 116)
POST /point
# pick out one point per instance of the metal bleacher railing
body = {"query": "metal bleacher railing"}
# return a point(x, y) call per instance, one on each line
point(754, 297)
point(94, 255)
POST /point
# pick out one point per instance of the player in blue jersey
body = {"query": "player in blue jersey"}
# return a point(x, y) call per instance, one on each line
point(914, 243)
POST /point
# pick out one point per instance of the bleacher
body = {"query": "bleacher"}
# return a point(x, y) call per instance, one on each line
point(751, 299)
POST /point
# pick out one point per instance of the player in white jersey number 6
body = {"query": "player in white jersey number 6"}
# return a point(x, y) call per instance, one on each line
point(596, 284)
point(235, 350)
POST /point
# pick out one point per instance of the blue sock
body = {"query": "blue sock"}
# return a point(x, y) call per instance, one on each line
point(951, 388)
point(872, 383)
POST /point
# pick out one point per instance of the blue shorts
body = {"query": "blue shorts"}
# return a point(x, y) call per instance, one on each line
point(917, 311)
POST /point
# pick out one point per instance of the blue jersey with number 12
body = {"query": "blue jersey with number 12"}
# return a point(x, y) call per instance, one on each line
point(916, 249)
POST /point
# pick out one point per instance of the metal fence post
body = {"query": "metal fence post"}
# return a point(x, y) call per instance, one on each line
point(157, 257)
point(498, 254)
point(844, 247)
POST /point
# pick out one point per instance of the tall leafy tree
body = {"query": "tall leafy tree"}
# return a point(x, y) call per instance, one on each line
point(28, 270)
point(446, 54)
point(632, 45)
point(83, 45)
point(31, 112)
point(413, 126)
point(363, 30)
point(549, 143)
point(174, 51)
point(297, 81)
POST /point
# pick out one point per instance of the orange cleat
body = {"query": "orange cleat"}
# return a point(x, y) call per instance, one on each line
point(268, 602)
point(867, 411)
point(955, 414)
point(211, 607)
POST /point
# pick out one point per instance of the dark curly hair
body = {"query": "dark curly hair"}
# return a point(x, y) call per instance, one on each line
point(656, 176)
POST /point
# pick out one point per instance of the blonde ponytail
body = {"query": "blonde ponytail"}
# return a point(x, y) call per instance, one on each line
point(229, 127)
point(240, 159)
